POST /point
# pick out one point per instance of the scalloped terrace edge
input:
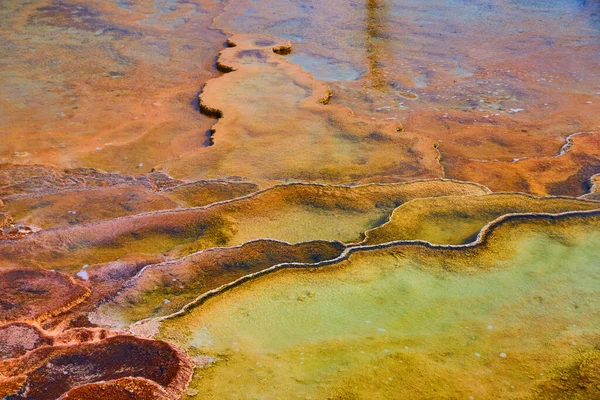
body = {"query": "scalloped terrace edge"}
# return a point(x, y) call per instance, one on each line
point(131, 282)
point(150, 326)
point(582, 199)
point(248, 196)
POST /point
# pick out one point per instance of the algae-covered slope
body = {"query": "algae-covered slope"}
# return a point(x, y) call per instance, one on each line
point(292, 213)
point(501, 319)
point(202, 193)
point(458, 219)
point(161, 289)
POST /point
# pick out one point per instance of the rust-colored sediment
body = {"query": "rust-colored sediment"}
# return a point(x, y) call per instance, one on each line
point(48, 372)
point(19, 337)
point(119, 389)
point(36, 295)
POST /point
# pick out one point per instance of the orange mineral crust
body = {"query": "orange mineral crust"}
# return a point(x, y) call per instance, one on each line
point(21, 180)
point(486, 80)
point(104, 84)
point(38, 197)
point(75, 207)
point(564, 173)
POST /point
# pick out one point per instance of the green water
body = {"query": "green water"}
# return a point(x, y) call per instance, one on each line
point(379, 305)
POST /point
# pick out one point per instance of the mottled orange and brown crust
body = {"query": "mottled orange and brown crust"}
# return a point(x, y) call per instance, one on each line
point(18, 338)
point(36, 295)
point(119, 389)
point(564, 173)
point(51, 371)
